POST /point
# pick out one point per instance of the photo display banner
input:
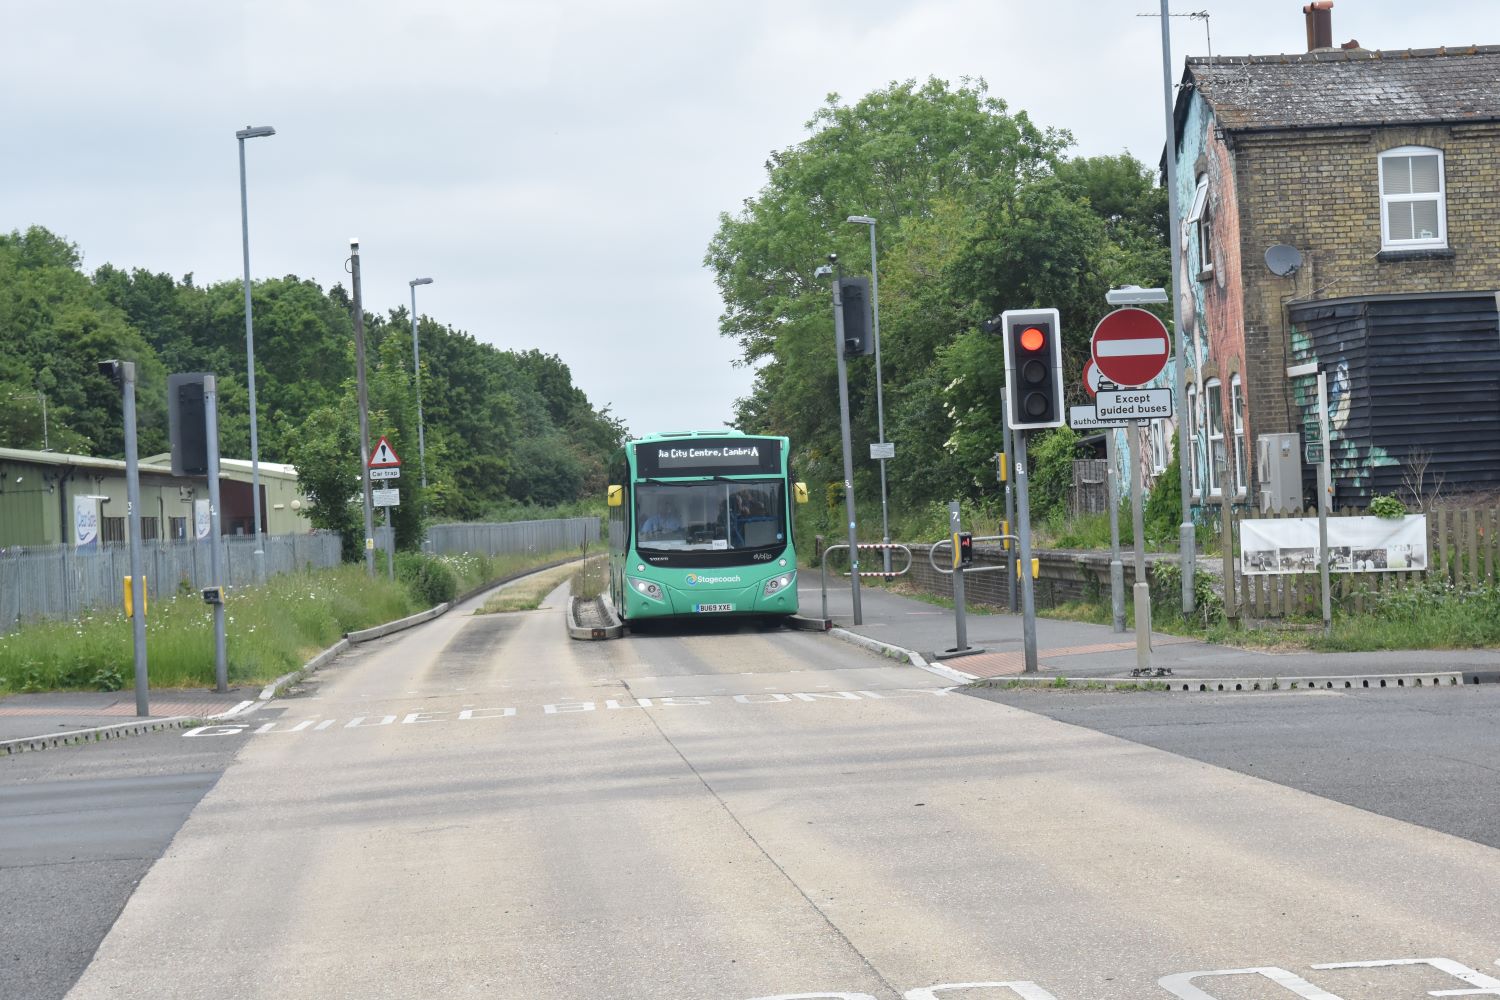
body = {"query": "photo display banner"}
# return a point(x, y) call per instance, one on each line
point(1270, 547)
point(708, 457)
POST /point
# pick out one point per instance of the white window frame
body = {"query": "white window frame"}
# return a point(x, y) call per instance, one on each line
point(1241, 444)
point(1200, 219)
point(1438, 241)
point(1161, 447)
point(1189, 449)
point(1211, 389)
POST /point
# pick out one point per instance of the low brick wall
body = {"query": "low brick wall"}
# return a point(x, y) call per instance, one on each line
point(1064, 575)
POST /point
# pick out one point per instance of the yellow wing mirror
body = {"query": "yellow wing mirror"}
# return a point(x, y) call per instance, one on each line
point(616, 495)
point(799, 492)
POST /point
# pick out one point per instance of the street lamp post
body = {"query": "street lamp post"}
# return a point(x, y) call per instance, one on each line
point(251, 132)
point(885, 520)
point(416, 371)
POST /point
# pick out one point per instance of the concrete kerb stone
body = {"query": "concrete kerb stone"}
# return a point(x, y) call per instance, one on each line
point(95, 735)
point(612, 627)
point(893, 652)
point(1223, 685)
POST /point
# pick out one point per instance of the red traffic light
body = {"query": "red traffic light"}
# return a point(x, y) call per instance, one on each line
point(1033, 338)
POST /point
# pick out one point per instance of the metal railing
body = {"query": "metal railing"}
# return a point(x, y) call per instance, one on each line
point(873, 546)
point(514, 536)
point(61, 581)
point(961, 646)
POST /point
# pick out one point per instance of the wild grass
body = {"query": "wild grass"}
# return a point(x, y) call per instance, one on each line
point(269, 630)
point(527, 594)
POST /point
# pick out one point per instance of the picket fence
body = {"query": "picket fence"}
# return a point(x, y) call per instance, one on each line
point(1463, 545)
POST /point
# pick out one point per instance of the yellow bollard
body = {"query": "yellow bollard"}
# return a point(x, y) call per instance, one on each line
point(1036, 569)
point(130, 598)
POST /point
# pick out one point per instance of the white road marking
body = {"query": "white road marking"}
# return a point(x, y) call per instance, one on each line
point(1181, 984)
point(1024, 989)
point(424, 716)
point(1489, 986)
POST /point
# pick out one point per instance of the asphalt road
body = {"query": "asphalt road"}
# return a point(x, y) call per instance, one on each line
point(79, 827)
point(481, 808)
point(1428, 756)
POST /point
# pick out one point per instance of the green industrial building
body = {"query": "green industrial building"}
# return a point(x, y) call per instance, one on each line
point(48, 498)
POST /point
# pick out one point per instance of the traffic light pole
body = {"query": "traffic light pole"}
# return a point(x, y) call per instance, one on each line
point(1023, 532)
point(838, 350)
point(216, 538)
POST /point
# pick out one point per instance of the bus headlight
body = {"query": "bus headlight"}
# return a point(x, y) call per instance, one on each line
point(777, 584)
point(645, 587)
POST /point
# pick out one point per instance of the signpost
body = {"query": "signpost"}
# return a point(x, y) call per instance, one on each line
point(1118, 405)
point(1130, 347)
point(384, 463)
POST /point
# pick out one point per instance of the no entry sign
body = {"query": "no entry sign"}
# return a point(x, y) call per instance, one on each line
point(1130, 347)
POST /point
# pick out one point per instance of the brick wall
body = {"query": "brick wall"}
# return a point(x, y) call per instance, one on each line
point(1064, 576)
point(1320, 192)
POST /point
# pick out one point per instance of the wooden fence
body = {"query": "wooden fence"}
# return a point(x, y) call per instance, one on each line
point(1462, 550)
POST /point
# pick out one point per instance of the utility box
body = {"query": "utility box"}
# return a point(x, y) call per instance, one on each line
point(1278, 470)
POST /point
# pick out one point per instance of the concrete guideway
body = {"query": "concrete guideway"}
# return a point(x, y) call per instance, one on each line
point(751, 823)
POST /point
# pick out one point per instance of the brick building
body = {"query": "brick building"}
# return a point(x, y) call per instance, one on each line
point(1376, 178)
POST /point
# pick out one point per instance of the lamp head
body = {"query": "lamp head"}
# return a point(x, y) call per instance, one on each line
point(419, 281)
point(863, 220)
point(254, 132)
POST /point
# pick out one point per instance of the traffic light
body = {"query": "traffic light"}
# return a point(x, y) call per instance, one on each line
point(185, 423)
point(859, 340)
point(1033, 368)
point(965, 548)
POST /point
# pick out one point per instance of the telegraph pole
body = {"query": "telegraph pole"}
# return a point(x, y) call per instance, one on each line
point(364, 409)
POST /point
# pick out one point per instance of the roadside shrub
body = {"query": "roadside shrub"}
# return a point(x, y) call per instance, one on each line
point(1387, 506)
point(427, 578)
point(1052, 473)
point(1166, 595)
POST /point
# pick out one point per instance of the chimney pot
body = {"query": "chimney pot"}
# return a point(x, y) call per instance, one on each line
point(1319, 24)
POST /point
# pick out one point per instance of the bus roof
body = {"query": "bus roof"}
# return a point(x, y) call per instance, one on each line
point(678, 435)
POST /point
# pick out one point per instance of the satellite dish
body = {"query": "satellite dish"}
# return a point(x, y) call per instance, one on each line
point(1283, 259)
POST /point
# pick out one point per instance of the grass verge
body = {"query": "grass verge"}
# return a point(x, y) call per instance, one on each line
point(269, 630)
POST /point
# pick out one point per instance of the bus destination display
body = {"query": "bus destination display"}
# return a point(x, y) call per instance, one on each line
point(708, 457)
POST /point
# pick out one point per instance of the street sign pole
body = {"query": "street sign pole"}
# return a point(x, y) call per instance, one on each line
point(1116, 566)
point(1141, 591)
point(1023, 532)
point(133, 523)
point(1325, 497)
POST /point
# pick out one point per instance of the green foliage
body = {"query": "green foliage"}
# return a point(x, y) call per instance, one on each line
point(1163, 512)
point(1166, 596)
point(978, 211)
point(1387, 506)
point(1051, 456)
point(501, 426)
point(429, 579)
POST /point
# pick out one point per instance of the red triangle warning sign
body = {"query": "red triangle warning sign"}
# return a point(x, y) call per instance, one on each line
point(384, 456)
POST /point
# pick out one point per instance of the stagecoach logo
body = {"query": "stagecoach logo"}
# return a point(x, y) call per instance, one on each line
point(693, 579)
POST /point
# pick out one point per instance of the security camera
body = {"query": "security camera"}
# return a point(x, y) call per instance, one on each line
point(110, 370)
point(833, 258)
point(823, 271)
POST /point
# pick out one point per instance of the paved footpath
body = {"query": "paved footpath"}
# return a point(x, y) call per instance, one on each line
point(55, 715)
point(1082, 650)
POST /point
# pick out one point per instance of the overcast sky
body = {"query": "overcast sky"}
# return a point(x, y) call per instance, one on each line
point(557, 167)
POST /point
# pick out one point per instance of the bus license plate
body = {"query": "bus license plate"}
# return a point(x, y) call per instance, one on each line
point(715, 607)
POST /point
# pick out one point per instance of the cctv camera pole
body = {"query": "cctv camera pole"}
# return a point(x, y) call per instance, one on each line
point(1186, 536)
point(364, 409)
point(216, 538)
point(1141, 592)
point(838, 340)
point(133, 497)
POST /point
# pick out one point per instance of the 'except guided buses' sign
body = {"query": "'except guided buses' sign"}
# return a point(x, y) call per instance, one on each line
point(1133, 404)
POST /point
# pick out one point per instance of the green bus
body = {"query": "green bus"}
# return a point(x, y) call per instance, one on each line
point(700, 525)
